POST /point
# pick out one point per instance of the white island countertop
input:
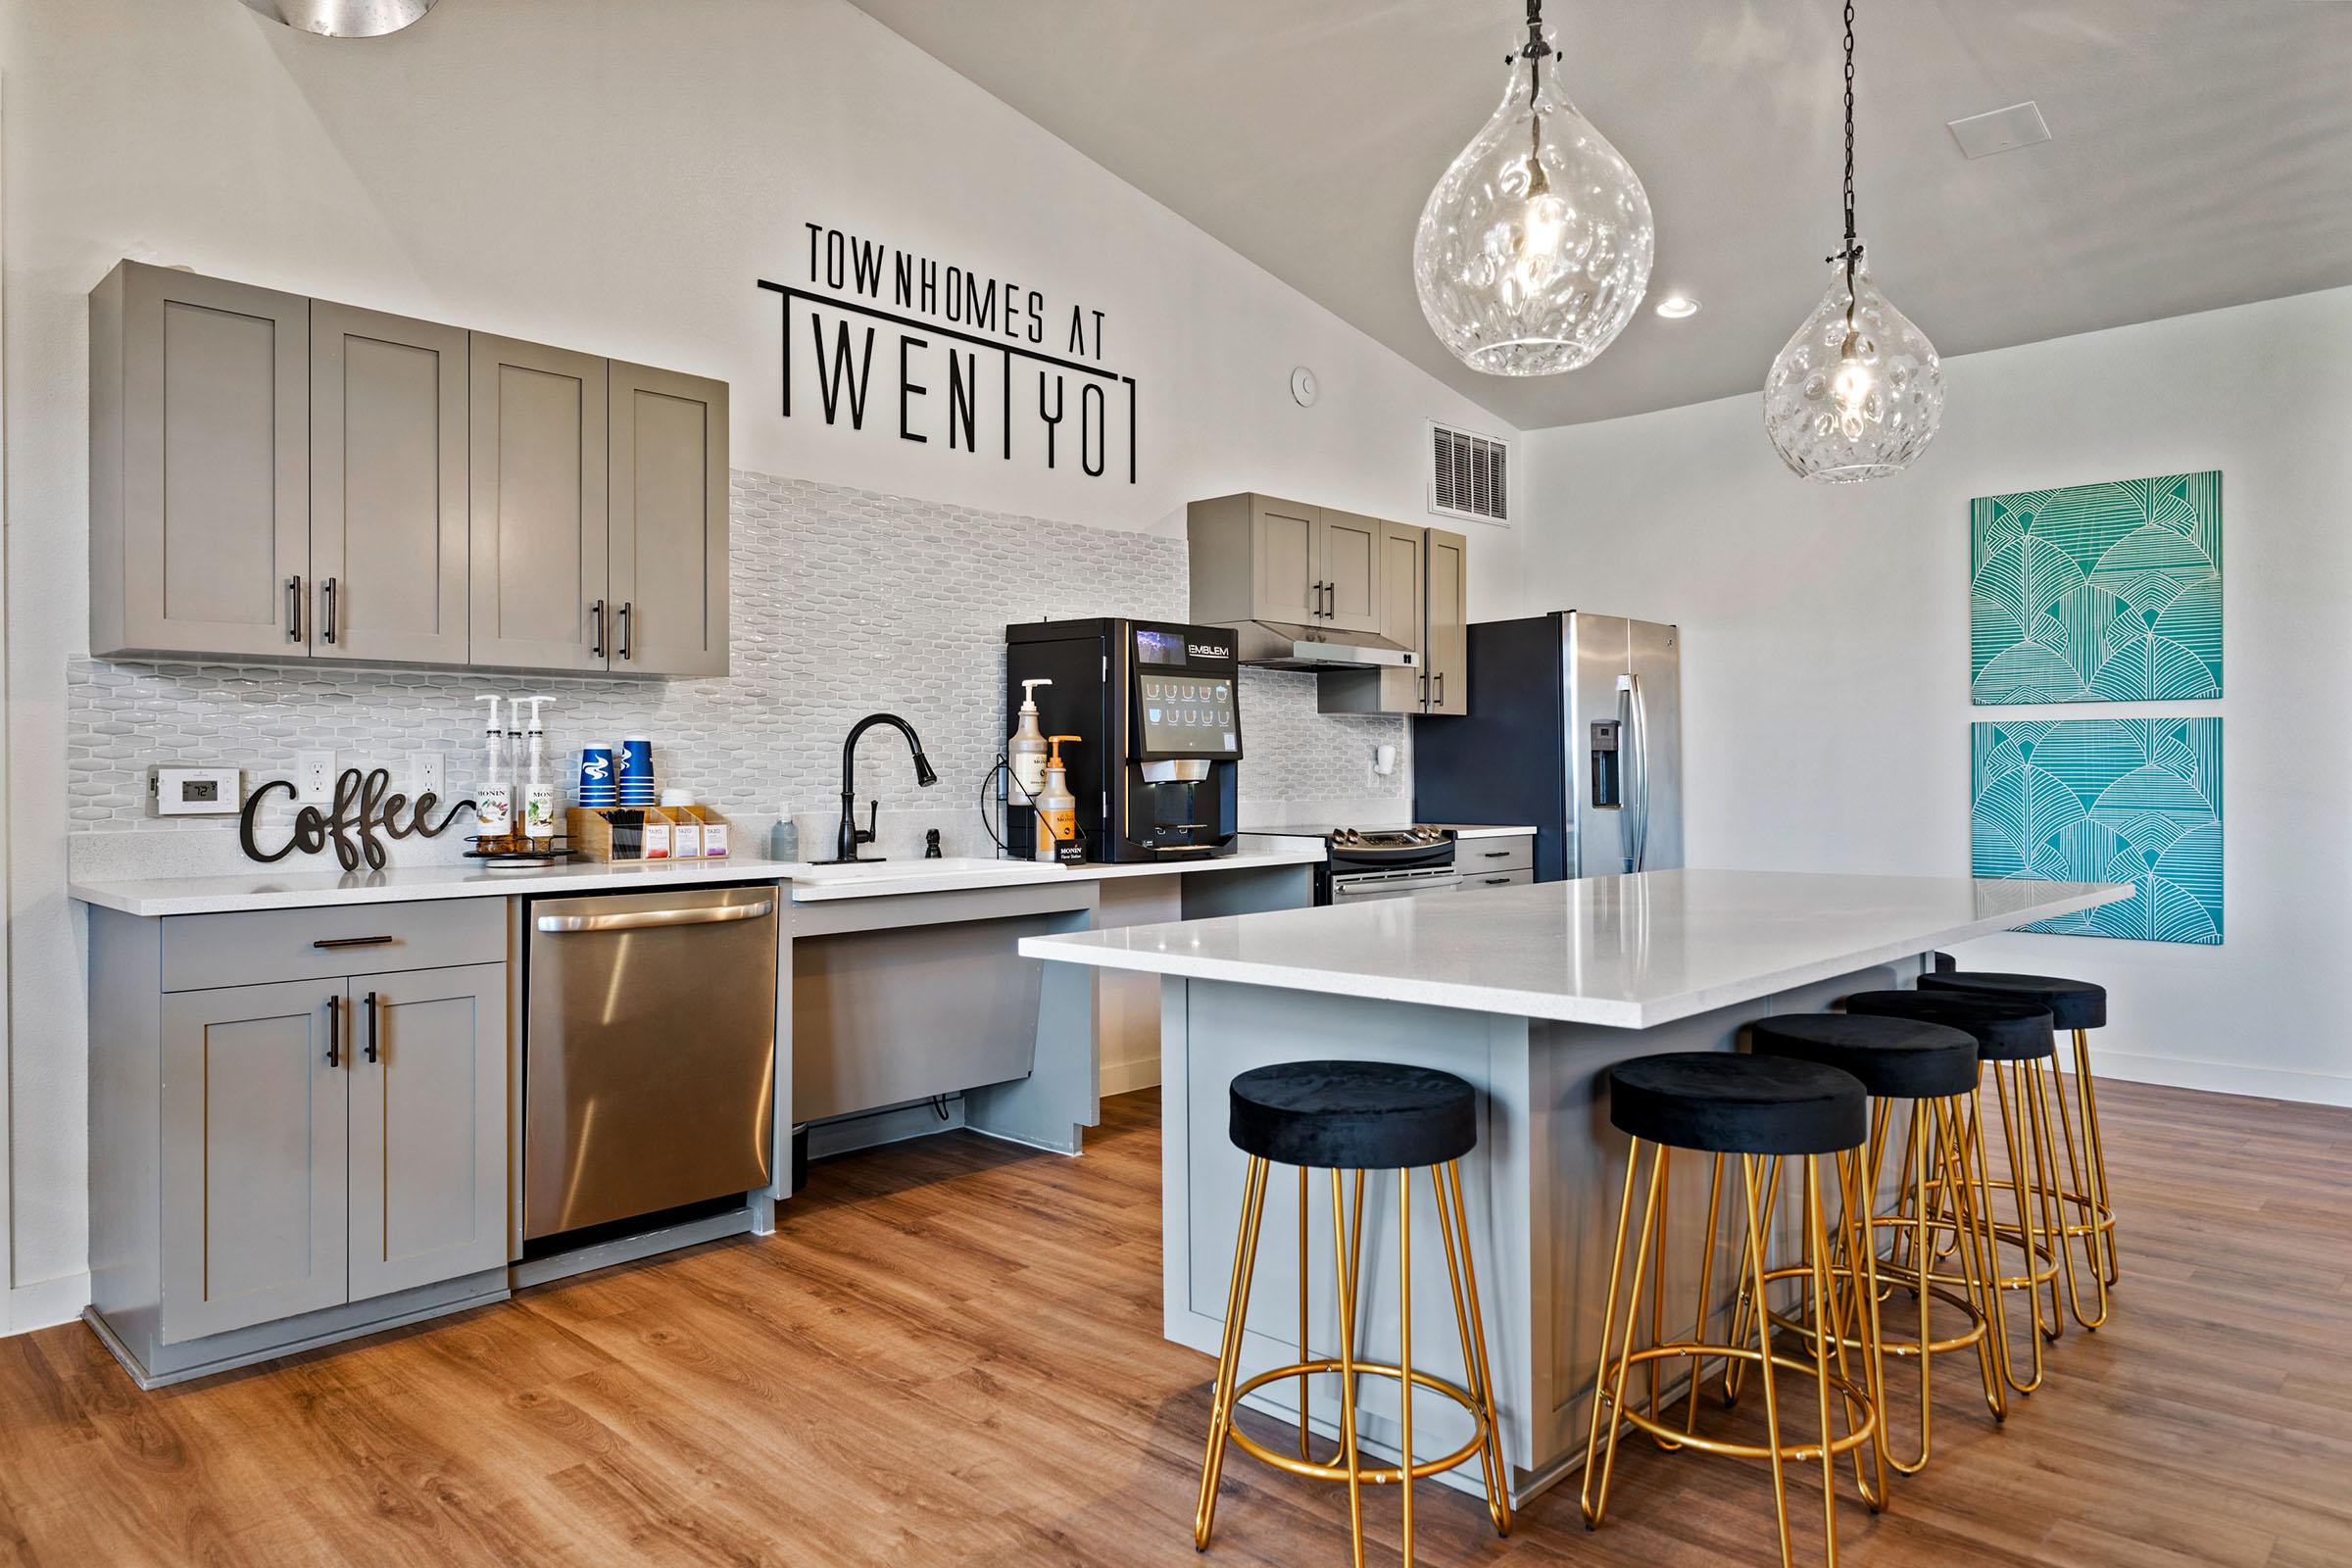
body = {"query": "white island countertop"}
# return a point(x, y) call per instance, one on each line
point(1628, 951)
point(272, 887)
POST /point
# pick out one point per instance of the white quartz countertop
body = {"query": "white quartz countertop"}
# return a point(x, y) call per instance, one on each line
point(286, 888)
point(1631, 952)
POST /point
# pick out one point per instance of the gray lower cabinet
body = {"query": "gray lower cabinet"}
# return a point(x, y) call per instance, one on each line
point(281, 1163)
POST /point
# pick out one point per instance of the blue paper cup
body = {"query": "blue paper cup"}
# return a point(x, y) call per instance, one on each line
point(635, 771)
point(597, 775)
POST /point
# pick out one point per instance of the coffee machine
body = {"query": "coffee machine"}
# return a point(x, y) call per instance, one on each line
point(1156, 705)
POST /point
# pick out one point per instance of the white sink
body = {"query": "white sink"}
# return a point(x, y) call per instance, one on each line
point(867, 878)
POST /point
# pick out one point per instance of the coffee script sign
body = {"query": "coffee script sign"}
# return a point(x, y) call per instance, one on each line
point(963, 357)
point(363, 804)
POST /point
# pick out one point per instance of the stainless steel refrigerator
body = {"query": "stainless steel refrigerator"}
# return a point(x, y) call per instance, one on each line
point(1575, 727)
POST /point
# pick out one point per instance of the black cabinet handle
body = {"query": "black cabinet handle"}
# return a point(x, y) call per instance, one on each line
point(326, 609)
point(293, 610)
point(351, 942)
point(626, 606)
point(1491, 881)
point(1440, 679)
point(596, 644)
point(334, 1030)
point(371, 1010)
point(1494, 854)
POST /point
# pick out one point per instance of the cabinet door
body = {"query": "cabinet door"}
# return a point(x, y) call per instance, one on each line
point(387, 487)
point(1446, 647)
point(1284, 581)
point(668, 538)
point(255, 1107)
point(1402, 610)
point(538, 560)
point(1348, 557)
point(215, 443)
point(429, 1126)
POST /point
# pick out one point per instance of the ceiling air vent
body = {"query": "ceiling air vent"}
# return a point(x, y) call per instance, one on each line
point(1469, 476)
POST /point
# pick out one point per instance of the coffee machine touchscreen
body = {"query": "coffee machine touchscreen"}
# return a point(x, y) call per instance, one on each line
point(1186, 714)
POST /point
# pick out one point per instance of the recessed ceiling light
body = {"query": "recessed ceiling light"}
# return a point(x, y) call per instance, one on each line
point(1675, 307)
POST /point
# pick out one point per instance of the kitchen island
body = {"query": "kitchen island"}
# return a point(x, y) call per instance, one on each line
point(1530, 993)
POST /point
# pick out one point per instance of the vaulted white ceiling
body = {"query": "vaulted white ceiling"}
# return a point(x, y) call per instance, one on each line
point(2202, 154)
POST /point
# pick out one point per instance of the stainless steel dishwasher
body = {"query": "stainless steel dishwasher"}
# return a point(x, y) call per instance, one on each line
point(650, 1053)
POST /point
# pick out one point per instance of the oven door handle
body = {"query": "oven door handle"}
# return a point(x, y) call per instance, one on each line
point(1373, 887)
point(641, 919)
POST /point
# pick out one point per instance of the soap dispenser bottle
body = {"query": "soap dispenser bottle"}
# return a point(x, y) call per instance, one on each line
point(494, 802)
point(539, 794)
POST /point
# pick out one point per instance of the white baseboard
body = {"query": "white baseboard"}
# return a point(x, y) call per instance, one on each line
point(2223, 1078)
point(45, 1304)
point(1125, 1077)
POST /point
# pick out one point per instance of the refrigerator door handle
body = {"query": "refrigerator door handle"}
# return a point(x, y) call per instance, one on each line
point(1633, 715)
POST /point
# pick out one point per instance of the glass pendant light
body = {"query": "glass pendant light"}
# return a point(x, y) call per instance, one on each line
point(1534, 250)
point(1858, 392)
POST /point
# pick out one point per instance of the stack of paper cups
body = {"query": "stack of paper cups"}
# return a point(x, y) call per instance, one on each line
point(597, 787)
point(636, 771)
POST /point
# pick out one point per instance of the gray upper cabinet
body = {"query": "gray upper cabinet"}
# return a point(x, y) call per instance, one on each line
point(199, 465)
point(1446, 644)
point(279, 477)
point(540, 599)
point(388, 488)
point(1259, 557)
point(254, 1135)
point(1348, 558)
point(429, 1127)
point(667, 526)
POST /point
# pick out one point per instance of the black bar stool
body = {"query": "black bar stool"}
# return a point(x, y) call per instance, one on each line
point(1760, 1109)
point(1356, 1116)
point(1934, 1068)
point(2078, 1007)
point(2014, 1039)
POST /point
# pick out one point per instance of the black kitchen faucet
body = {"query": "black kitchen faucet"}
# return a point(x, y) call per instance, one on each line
point(844, 845)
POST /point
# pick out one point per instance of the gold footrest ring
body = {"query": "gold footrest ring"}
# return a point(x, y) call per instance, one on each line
point(1337, 1471)
point(1854, 1394)
point(1893, 1279)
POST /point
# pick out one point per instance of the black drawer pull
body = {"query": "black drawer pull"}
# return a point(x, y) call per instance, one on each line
point(352, 941)
point(1496, 881)
point(1495, 854)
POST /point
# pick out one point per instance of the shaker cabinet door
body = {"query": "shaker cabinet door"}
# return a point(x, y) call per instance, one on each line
point(388, 487)
point(429, 1126)
point(1447, 644)
point(254, 1148)
point(1284, 582)
point(668, 522)
point(1348, 552)
point(200, 486)
point(539, 599)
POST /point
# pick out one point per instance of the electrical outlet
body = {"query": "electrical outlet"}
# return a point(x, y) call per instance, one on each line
point(315, 777)
point(424, 774)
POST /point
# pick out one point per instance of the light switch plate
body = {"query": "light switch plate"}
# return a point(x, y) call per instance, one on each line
point(315, 777)
point(424, 774)
point(194, 791)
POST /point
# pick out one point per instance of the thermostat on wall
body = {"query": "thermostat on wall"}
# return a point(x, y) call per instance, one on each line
point(195, 791)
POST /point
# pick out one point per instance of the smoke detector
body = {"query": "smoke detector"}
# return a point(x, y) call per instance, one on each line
point(344, 19)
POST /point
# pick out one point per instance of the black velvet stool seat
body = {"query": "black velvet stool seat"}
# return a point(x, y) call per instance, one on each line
point(2016, 1040)
point(1922, 1077)
point(1356, 1116)
point(2077, 1006)
point(1763, 1111)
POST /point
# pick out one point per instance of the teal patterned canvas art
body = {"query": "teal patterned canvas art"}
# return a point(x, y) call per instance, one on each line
point(2098, 593)
point(2106, 800)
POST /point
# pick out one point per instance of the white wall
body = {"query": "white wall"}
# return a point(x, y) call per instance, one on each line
point(606, 174)
point(1826, 673)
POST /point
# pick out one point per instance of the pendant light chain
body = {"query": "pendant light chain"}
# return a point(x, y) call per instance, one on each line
point(1854, 251)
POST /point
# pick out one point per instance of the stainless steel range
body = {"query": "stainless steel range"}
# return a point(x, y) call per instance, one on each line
point(1386, 863)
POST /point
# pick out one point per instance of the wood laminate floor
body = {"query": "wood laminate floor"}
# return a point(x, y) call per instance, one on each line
point(951, 1355)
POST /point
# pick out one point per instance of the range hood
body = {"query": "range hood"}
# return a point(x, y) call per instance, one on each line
point(1279, 645)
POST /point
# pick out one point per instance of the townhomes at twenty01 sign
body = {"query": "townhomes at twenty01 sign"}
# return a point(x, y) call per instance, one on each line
point(942, 353)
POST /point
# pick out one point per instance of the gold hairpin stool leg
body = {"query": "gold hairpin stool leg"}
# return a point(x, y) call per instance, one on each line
point(2085, 1206)
point(2033, 1226)
point(1840, 1385)
point(1926, 1229)
point(1348, 1463)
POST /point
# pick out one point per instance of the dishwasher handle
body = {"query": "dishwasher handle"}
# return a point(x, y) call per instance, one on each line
point(641, 919)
